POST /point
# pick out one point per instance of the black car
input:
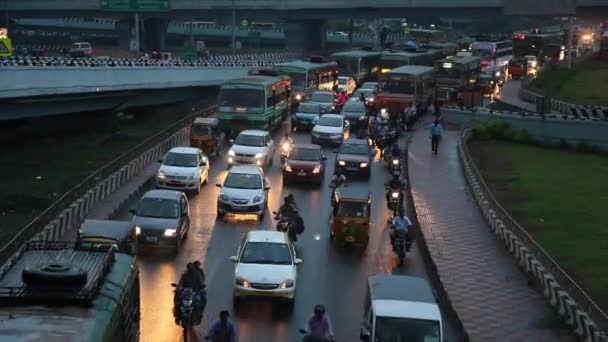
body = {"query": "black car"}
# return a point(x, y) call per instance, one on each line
point(355, 157)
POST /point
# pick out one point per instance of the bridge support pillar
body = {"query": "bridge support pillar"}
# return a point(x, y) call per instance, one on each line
point(306, 35)
point(155, 34)
point(125, 28)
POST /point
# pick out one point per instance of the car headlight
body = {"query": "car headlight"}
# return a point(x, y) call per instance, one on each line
point(187, 302)
point(287, 284)
point(224, 198)
point(137, 230)
point(258, 198)
point(160, 175)
point(498, 74)
point(231, 153)
point(363, 164)
point(395, 161)
point(259, 155)
point(242, 282)
point(288, 168)
point(342, 163)
point(395, 195)
point(298, 97)
point(286, 147)
point(371, 99)
point(383, 111)
point(317, 169)
point(170, 232)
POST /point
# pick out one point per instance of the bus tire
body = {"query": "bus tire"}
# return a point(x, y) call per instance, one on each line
point(56, 274)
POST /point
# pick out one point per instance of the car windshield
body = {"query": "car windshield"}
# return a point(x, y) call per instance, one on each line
point(360, 149)
point(354, 107)
point(391, 329)
point(330, 121)
point(322, 97)
point(342, 81)
point(369, 85)
point(201, 130)
point(158, 207)
point(249, 140)
point(305, 154)
point(243, 181)
point(309, 108)
point(180, 159)
point(352, 209)
point(266, 253)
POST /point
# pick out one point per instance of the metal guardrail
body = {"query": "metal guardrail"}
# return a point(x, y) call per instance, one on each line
point(584, 301)
point(37, 224)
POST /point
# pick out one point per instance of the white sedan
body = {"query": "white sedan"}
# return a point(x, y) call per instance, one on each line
point(183, 168)
point(329, 128)
point(252, 147)
point(266, 266)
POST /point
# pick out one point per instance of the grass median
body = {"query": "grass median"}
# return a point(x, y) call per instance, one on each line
point(586, 83)
point(37, 171)
point(560, 198)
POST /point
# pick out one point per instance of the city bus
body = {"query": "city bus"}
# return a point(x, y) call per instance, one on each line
point(454, 74)
point(258, 101)
point(391, 60)
point(491, 52)
point(307, 76)
point(359, 64)
point(404, 87)
point(535, 44)
point(55, 291)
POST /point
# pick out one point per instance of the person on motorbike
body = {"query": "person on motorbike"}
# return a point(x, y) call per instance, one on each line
point(396, 184)
point(362, 97)
point(337, 181)
point(436, 131)
point(401, 224)
point(223, 330)
point(289, 210)
point(396, 151)
point(319, 327)
point(194, 279)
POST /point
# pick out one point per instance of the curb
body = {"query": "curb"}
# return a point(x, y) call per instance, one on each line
point(444, 298)
point(149, 183)
point(584, 112)
point(559, 298)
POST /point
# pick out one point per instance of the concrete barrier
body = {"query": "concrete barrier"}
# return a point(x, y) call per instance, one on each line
point(567, 108)
point(567, 298)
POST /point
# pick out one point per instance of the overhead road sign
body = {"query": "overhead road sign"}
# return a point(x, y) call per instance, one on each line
point(6, 48)
point(540, 7)
point(136, 5)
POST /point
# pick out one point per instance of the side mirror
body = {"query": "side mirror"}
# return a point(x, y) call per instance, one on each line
point(302, 331)
point(218, 185)
point(297, 261)
point(364, 336)
point(234, 258)
point(160, 161)
point(274, 212)
point(185, 213)
point(323, 158)
point(174, 284)
point(202, 163)
point(267, 188)
point(231, 141)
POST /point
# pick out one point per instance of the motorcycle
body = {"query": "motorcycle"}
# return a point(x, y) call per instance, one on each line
point(188, 301)
point(286, 224)
point(394, 198)
point(308, 338)
point(393, 163)
point(286, 147)
point(400, 245)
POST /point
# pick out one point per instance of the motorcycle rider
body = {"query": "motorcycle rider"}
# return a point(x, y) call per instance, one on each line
point(192, 278)
point(395, 152)
point(337, 181)
point(396, 184)
point(290, 211)
point(400, 224)
point(319, 327)
point(362, 97)
point(286, 140)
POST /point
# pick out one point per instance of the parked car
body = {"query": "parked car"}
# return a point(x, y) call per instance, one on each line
point(252, 147)
point(325, 98)
point(329, 128)
point(244, 191)
point(183, 168)
point(162, 219)
point(305, 162)
point(347, 84)
point(355, 157)
point(266, 266)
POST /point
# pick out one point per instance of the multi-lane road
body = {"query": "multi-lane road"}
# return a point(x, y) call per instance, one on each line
point(328, 275)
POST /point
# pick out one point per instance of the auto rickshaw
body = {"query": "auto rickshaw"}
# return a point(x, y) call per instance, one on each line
point(206, 134)
point(351, 215)
point(103, 234)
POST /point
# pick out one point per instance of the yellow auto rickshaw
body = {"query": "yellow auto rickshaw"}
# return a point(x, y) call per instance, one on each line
point(206, 134)
point(351, 215)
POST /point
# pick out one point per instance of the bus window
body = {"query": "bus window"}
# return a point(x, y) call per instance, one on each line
point(251, 99)
point(397, 86)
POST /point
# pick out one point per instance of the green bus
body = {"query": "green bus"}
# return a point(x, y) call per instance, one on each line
point(392, 60)
point(259, 101)
point(52, 290)
point(309, 75)
point(362, 65)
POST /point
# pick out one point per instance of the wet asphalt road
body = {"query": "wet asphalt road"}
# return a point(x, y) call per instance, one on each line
point(329, 275)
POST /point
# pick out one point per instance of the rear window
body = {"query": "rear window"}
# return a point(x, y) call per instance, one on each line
point(322, 97)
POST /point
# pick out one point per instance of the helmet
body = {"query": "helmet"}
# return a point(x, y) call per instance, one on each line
point(290, 197)
point(319, 310)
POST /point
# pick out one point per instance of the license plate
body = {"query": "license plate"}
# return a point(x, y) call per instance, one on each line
point(351, 168)
point(234, 207)
point(301, 173)
point(153, 239)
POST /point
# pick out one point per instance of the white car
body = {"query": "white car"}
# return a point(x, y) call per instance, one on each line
point(184, 168)
point(266, 266)
point(329, 128)
point(252, 147)
point(245, 191)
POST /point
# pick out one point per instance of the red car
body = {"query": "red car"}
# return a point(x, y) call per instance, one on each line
point(305, 163)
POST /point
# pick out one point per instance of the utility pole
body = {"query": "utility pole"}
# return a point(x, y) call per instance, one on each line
point(570, 38)
point(233, 27)
point(136, 19)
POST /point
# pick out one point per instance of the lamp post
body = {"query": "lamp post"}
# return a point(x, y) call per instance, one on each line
point(233, 28)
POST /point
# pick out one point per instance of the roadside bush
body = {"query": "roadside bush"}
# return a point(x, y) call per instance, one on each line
point(522, 137)
point(563, 144)
point(497, 130)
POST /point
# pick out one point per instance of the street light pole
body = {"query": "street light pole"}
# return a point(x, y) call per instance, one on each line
point(233, 28)
point(570, 38)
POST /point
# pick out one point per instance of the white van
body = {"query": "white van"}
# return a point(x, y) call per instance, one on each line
point(401, 308)
point(81, 49)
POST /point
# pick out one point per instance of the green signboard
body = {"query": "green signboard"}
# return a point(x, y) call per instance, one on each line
point(136, 5)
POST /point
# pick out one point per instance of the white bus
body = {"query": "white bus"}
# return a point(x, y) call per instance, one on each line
point(490, 52)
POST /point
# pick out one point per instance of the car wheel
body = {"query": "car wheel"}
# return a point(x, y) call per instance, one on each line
point(198, 188)
point(262, 215)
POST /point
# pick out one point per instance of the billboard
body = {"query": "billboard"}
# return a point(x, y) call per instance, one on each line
point(136, 5)
point(540, 7)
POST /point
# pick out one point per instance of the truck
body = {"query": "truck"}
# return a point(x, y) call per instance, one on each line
point(400, 308)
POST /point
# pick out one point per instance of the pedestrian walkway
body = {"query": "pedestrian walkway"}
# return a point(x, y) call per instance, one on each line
point(487, 290)
point(509, 94)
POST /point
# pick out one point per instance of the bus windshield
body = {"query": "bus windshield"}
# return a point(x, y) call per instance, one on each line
point(398, 86)
point(245, 99)
point(449, 70)
point(298, 79)
point(348, 64)
point(395, 329)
